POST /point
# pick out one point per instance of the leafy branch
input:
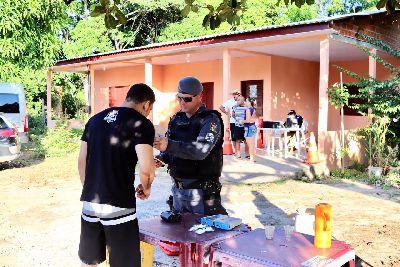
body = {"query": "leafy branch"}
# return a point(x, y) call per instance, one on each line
point(228, 10)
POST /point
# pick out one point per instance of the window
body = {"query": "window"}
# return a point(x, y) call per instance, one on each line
point(9, 103)
point(353, 91)
point(3, 124)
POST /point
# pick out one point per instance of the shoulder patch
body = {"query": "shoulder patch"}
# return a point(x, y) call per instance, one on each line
point(213, 127)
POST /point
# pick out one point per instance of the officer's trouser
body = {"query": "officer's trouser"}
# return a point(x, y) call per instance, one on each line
point(206, 200)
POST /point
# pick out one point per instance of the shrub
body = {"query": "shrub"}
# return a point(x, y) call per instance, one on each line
point(61, 140)
point(350, 174)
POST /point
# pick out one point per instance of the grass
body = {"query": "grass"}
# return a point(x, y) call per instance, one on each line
point(392, 179)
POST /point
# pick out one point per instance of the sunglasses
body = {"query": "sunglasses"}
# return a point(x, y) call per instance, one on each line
point(186, 99)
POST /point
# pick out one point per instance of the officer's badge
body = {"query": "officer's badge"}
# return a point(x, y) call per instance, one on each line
point(213, 127)
point(210, 137)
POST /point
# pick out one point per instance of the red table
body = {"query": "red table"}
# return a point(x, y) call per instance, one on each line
point(253, 249)
point(193, 247)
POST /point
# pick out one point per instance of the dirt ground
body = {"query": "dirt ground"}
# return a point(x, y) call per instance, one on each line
point(40, 208)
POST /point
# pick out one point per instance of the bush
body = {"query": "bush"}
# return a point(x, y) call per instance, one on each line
point(350, 174)
point(61, 140)
point(54, 142)
point(358, 173)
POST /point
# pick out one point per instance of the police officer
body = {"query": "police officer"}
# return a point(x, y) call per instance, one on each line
point(192, 149)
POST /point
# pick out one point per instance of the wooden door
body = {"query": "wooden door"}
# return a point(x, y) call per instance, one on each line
point(208, 94)
point(254, 89)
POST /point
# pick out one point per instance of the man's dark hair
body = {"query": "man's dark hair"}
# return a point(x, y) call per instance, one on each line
point(139, 93)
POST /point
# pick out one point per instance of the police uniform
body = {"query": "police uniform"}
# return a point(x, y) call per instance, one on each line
point(194, 157)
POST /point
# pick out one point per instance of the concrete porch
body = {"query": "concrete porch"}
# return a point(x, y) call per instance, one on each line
point(265, 170)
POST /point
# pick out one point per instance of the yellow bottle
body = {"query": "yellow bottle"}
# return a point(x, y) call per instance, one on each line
point(323, 225)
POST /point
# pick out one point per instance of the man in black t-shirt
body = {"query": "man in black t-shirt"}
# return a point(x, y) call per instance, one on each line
point(113, 142)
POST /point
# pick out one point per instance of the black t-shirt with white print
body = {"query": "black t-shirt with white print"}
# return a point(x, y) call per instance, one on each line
point(111, 137)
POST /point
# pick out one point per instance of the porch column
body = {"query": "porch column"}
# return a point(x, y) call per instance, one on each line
point(226, 79)
point(148, 78)
point(323, 95)
point(86, 88)
point(372, 64)
point(92, 92)
point(49, 85)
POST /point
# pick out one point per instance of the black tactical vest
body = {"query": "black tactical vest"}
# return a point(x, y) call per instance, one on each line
point(186, 130)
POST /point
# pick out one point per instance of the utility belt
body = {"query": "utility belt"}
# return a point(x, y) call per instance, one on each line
point(198, 184)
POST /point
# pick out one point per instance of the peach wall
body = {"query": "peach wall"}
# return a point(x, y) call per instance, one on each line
point(351, 123)
point(295, 86)
point(249, 68)
point(253, 68)
point(125, 76)
point(383, 73)
point(359, 67)
point(288, 84)
point(209, 71)
point(103, 79)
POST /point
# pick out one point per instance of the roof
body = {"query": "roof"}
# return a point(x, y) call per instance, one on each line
point(291, 28)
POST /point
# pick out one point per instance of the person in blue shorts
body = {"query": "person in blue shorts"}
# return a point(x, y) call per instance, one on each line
point(250, 129)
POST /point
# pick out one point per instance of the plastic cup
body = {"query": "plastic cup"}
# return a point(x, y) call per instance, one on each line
point(289, 229)
point(269, 231)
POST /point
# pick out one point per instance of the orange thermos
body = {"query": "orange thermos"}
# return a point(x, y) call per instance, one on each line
point(323, 225)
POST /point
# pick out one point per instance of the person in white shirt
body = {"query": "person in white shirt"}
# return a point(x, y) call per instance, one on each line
point(226, 108)
point(239, 113)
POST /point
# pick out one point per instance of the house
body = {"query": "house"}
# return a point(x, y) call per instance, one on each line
point(285, 67)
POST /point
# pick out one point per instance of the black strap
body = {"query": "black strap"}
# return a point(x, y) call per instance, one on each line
point(197, 184)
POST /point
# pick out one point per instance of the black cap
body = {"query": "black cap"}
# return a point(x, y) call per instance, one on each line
point(292, 112)
point(190, 85)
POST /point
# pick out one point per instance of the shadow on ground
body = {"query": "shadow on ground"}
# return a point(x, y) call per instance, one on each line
point(27, 158)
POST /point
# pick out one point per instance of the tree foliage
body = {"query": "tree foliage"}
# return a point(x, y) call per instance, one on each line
point(89, 36)
point(230, 11)
point(382, 99)
point(146, 19)
point(258, 14)
point(29, 42)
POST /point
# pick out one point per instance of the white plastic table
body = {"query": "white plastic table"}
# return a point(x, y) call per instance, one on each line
point(273, 133)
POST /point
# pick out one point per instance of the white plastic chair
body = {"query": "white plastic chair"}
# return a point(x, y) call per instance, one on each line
point(303, 138)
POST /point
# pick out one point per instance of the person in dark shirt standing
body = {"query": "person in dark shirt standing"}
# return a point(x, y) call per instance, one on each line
point(113, 142)
point(293, 121)
point(193, 152)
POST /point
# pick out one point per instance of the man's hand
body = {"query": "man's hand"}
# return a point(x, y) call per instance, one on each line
point(142, 193)
point(160, 143)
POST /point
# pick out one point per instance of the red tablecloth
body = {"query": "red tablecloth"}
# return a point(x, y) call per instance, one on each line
point(253, 249)
point(193, 247)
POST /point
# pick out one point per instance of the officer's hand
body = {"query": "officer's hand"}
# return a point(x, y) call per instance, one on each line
point(141, 192)
point(160, 143)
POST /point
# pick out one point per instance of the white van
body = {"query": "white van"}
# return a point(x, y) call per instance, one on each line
point(13, 106)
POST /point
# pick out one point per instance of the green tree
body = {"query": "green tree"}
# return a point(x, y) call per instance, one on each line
point(342, 7)
point(338, 96)
point(382, 99)
point(145, 21)
point(227, 10)
point(258, 14)
point(29, 42)
point(89, 36)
